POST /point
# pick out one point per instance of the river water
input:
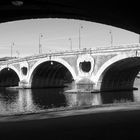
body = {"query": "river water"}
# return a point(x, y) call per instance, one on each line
point(15, 101)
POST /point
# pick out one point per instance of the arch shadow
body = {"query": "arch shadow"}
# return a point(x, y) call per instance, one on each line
point(118, 73)
point(9, 77)
point(51, 73)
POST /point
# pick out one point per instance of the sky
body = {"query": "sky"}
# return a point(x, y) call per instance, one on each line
point(56, 34)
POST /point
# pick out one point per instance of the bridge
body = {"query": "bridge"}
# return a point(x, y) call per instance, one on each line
point(104, 69)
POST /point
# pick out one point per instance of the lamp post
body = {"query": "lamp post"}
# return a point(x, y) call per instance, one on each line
point(70, 43)
point(12, 49)
point(80, 36)
point(40, 46)
point(17, 53)
point(111, 39)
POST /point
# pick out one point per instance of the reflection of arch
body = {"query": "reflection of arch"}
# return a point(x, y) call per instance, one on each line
point(118, 73)
point(45, 60)
point(53, 98)
point(9, 76)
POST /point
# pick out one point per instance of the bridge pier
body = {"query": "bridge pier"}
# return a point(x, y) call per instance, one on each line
point(85, 84)
point(24, 84)
point(97, 85)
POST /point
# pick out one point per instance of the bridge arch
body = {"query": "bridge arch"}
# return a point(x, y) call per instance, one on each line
point(9, 76)
point(50, 73)
point(118, 73)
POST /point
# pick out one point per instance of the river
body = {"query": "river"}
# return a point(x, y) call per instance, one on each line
point(15, 101)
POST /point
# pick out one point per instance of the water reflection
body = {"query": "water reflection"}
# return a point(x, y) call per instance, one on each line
point(117, 97)
point(48, 98)
point(16, 101)
point(8, 101)
point(83, 99)
point(136, 93)
point(27, 100)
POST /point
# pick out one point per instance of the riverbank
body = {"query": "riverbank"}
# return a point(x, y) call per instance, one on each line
point(70, 111)
point(119, 121)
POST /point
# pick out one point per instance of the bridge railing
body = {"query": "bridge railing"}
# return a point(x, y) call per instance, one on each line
point(75, 52)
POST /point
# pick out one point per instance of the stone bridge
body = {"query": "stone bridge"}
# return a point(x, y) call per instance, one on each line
point(108, 68)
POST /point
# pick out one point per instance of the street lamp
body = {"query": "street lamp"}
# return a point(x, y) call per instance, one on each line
point(70, 43)
point(80, 36)
point(17, 53)
point(40, 46)
point(111, 39)
point(12, 49)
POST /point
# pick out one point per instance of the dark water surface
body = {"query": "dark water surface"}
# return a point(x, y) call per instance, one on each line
point(27, 100)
